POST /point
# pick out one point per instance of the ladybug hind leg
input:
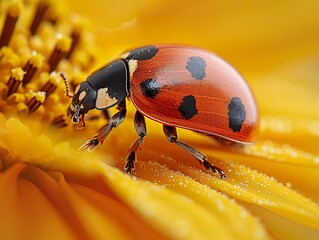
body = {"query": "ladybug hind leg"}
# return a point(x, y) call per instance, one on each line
point(171, 135)
point(114, 122)
point(140, 127)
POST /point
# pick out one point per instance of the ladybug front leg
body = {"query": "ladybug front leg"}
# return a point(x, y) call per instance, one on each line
point(106, 114)
point(115, 121)
point(171, 135)
point(140, 127)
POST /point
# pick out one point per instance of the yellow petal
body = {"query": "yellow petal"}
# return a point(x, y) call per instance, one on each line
point(278, 128)
point(25, 211)
point(288, 90)
point(95, 223)
point(108, 205)
point(253, 36)
point(255, 188)
point(238, 222)
point(179, 216)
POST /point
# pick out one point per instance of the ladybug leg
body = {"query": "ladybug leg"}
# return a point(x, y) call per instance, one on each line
point(106, 114)
point(171, 135)
point(140, 127)
point(115, 121)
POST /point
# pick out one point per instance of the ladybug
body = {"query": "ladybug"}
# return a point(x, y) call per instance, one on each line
point(177, 86)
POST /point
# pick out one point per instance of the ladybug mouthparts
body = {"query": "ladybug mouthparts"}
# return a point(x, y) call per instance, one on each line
point(76, 114)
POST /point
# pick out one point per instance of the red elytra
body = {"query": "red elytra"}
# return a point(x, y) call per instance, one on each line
point(213, 88)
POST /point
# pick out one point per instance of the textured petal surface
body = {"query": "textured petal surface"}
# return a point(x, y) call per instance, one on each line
point(188, 212)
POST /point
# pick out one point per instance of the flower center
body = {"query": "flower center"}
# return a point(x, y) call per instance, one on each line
point(38, 43)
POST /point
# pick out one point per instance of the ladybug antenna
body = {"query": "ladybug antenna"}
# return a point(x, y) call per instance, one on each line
point(67, 89)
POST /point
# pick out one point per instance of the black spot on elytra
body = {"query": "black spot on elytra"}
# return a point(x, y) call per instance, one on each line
point(197, 67)
point(236, 114)
point(150, 88)
point(188, 107)
point(143, 53)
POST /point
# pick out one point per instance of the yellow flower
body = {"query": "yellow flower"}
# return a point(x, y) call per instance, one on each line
point(48, 190)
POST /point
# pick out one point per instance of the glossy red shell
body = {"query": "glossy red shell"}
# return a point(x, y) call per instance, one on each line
point(212, 92)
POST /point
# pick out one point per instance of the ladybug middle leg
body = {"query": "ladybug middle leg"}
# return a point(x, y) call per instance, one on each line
point(114, 122)
point(140, 127)
point(171, 135)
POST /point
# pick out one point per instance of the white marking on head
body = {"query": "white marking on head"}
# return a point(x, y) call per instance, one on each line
point(77, 89)
point(72, 108)
point(103, 99)
point(132, 66)
point(82, 95)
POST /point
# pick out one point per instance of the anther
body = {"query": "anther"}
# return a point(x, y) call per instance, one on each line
point(31, 67)
point(51, 85)
point(36, 101)
point(16, 77)
point(61, 48)
point(8, 58)
point(59, 122)
point(53, 12)
point(78, 25)
point(13, 13)
point(42, 9)
point(75, 37)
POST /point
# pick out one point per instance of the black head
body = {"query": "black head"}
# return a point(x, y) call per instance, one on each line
point(103, 89)
point(83, 100)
